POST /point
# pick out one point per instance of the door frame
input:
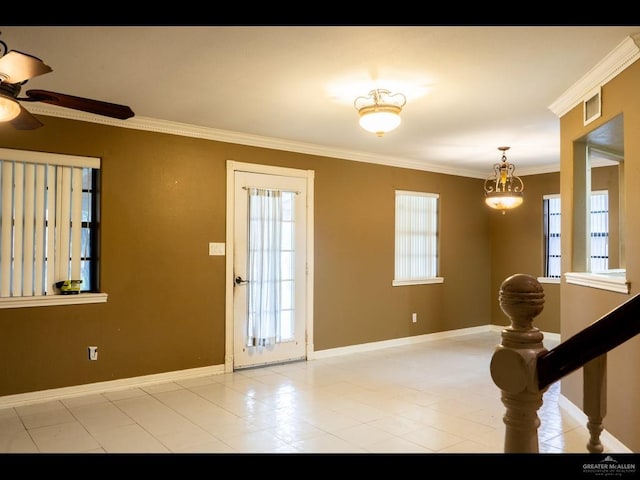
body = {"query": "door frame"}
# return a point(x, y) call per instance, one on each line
point(232, 167)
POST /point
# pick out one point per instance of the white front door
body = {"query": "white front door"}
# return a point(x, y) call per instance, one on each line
point(270, 283)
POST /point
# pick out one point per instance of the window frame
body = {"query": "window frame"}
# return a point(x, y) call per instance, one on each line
point(434, 221)
point(53, 298)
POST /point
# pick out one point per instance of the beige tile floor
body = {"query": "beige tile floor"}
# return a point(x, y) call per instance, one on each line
point(432, 397)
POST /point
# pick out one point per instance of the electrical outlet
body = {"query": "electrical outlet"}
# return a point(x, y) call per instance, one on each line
point(414, 317)
point(93, 353)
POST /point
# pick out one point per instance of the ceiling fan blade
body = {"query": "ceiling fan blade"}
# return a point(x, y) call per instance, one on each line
point(98, 107)
point(25, 121)
point(16, 67)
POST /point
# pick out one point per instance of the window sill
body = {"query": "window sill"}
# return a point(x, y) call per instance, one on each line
point(614, 280)
point(52, 300)
point(549, 280)
point(426, 281)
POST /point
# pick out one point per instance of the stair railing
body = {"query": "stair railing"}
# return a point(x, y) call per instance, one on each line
point(524, 369)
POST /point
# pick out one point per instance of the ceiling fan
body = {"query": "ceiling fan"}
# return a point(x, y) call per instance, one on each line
point(16, 69)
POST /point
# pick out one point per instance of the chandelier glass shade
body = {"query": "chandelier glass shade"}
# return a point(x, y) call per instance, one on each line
point(9, 108)
point(503, 189)
point(380, 111)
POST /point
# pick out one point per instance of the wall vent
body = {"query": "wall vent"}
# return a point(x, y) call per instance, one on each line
point(592, 106)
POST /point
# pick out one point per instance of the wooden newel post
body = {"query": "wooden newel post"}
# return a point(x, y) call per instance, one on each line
point(513, 365)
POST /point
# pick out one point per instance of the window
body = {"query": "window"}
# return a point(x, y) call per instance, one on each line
point(551, 229)
point(48, 225)
point(599, 233)
point(416, 238)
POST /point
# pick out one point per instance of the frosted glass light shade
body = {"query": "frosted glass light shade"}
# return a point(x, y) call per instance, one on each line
point(9, 108)
point(380, 121)
point(504, 201)
point(380, 110)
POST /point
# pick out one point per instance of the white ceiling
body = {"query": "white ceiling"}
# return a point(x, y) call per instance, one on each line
point(469, 89)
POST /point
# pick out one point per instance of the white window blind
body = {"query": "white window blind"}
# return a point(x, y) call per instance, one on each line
point(41, 208)
point(416, 237)
point(552, 220)
point(598, 227)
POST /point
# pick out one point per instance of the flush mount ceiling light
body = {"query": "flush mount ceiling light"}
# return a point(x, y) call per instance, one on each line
point(503, 189)
point(380, 111)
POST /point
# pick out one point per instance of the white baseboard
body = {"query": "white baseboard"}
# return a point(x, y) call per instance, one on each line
point(101, 387)
point(396, 342)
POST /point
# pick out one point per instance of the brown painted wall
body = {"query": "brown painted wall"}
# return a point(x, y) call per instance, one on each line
point(355, 302)
point(163, 201)
point(583, 305)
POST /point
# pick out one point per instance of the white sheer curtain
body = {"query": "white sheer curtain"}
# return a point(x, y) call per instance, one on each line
point(265, 242)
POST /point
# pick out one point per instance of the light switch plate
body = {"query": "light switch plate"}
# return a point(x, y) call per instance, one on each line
point(216, 248)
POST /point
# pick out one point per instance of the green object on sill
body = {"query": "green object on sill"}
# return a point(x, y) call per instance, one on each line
point(69, 287)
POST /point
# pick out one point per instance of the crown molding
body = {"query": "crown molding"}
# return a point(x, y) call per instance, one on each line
point(186, 130)
point(551, 168)
point(627, 52)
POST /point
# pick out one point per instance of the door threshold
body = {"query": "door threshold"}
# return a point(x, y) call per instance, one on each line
point(271, 364)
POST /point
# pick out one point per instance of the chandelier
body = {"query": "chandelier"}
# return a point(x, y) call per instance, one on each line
point(380, 111)
point(503, 189)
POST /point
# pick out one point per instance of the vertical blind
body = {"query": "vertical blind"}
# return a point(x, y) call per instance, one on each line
point(599, 225)
point(416, 241)
point(552, 219)
point(40, 223)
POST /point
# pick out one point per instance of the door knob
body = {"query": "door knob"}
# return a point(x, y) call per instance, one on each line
point(240, 281)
